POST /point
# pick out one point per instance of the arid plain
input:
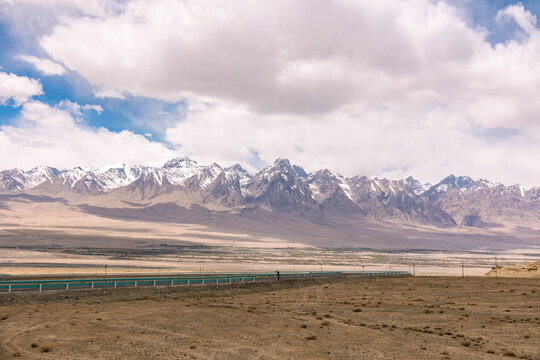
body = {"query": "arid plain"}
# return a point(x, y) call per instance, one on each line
point(348, 318)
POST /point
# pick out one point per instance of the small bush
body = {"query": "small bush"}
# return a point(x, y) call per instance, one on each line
point(311, 337)
point(34, 345)
point(303, 326)
point(325, 323)
point(45, 348)
point(357, 310)
point(466, 343)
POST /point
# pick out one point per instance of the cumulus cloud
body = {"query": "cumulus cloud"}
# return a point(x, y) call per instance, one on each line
point(49, 135)
point(76, 109)
point(365, 87)
point(274, 57)
point(45, 66)
point(380, 144)
point(524, 18)
point(18, 89)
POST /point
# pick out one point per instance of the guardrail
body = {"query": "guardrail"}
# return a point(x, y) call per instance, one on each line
point(70, 284)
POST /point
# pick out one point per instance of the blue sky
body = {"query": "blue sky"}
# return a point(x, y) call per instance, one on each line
point(227, 92)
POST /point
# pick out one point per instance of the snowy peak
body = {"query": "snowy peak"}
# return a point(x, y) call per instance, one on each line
point(238, 172)
point(180, 163)
point(281, 188)
point(455, 182)
point(416, 186)
point(201, 177)
point(16, 180)
point(323, 182)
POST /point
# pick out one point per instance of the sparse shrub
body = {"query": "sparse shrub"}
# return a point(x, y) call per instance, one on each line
point(357, 310)
point(192, 347)
point(311, 337)
point(427, 311)
point(303, 326)
point(325, 323)
point(45, 348)
point(509, 354)
point(466, 343)
point(3, 317)
point(251, 309)
point(34, 345)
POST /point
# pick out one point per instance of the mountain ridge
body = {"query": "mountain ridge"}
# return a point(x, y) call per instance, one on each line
point(285, 188)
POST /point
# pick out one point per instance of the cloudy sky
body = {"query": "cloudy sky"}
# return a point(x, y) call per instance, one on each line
point(387, 88)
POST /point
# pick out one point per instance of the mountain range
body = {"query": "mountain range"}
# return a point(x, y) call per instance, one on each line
point(184, 188)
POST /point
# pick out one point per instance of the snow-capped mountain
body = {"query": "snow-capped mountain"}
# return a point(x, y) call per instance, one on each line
point(481, 203)
point(16, 180)
point(280, 187)
point(91, 180)
point(286, 188)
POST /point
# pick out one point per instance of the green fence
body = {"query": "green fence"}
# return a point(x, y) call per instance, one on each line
point(71, 284)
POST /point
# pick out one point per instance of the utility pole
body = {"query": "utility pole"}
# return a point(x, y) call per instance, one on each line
point(462, 269)
point(413, 269)
point(496, 268)
point(105, 270)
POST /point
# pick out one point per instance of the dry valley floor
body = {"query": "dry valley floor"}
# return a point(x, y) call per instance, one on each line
point(352, 318)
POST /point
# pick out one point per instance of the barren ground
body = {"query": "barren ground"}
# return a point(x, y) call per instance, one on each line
point(354, 318)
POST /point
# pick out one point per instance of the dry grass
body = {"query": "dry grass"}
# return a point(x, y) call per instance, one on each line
point(297, 320)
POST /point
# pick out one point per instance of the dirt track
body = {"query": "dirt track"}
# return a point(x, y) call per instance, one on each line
point(386, 318)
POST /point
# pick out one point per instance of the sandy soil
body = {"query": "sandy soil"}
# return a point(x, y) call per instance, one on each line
point(381, 318)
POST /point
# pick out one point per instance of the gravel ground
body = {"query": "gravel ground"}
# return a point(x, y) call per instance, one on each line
point(341, 318)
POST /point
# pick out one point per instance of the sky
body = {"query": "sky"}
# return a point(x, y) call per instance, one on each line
point(388, 88)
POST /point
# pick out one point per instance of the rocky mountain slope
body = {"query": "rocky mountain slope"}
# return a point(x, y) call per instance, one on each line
point(284, 188)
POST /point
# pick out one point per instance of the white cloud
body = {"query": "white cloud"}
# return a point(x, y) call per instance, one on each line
point(76, 109)
point(48, 135)
point(369, 87)
point(104, 92)
point(524, 18)
point(96, 108)
point(380, 144)
point(18, 88)
point(45, 66)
